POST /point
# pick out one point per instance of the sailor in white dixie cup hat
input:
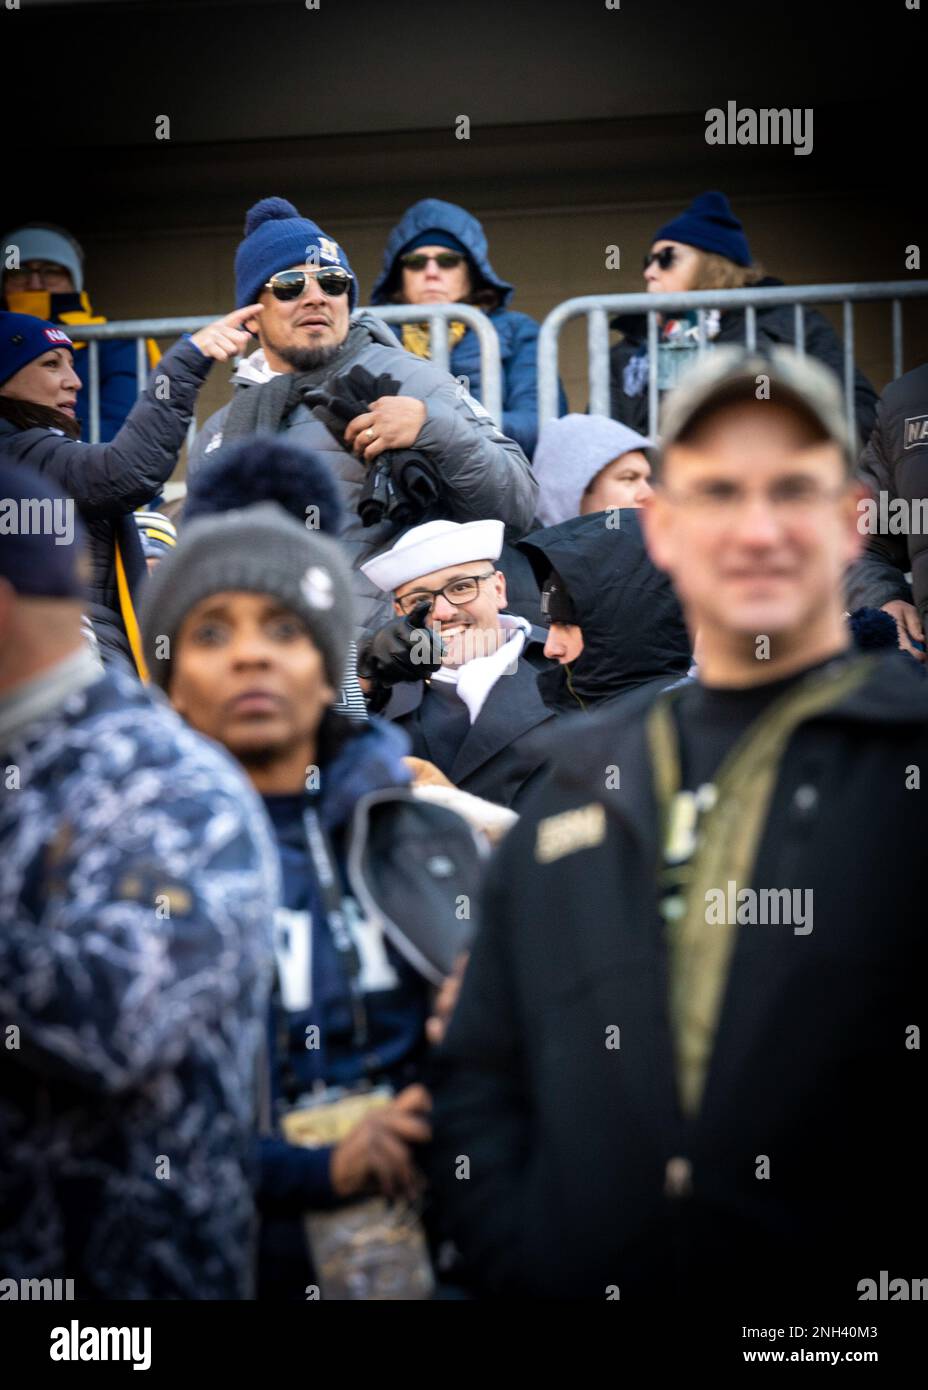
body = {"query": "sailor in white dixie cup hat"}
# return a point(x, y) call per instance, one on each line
point(451, 567)
point(447, 650)
point(434, 546)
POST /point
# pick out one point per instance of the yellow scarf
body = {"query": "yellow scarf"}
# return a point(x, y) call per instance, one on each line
point(417, 337)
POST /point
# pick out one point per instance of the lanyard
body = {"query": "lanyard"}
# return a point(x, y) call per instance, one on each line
point(329, 881)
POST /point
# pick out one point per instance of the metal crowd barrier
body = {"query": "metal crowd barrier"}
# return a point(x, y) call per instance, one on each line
point(437, 316)
point(598, 307)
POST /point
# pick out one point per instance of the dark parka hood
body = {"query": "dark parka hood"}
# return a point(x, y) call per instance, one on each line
point(431, 213)
point(633, 627)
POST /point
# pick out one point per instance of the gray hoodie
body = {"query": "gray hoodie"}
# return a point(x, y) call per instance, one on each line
point(483, 473)
point(569, 454)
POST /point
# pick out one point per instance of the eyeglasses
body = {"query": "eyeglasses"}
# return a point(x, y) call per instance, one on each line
point(459, 591)
point(445, 260)
point(290, 284)
point(792, 499)
point(49, 275)
point(665, 257)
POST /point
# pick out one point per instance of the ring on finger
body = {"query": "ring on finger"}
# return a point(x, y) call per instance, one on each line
point(370, 431)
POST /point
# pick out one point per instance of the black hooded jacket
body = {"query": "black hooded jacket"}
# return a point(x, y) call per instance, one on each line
point(632, 623)
point(775, 327)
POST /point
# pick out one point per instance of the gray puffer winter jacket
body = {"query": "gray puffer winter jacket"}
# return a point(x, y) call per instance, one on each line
point(483, 473)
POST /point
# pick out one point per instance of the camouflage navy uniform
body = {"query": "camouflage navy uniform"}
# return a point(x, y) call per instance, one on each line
point(137, 886)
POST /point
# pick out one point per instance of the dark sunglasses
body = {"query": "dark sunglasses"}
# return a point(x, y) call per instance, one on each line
point(445, 260)
point(665, 257)
point(290, 284)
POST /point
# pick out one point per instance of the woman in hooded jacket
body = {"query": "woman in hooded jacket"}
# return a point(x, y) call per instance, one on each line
point(437, 254)
point(39, 426)
point(705, 248)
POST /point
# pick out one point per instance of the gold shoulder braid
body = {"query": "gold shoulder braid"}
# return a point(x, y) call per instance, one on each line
point(699, 954)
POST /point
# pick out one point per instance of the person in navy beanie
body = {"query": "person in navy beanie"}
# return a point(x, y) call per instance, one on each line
point(402, 407)
point(275, 236)
point(709, 224)
point(39, 427)
point(705, 247)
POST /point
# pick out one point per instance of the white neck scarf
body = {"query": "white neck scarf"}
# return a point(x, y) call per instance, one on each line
point(476, 678)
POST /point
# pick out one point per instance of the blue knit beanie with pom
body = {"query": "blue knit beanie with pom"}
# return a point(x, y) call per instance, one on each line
point(266, 468)
point(277, 238)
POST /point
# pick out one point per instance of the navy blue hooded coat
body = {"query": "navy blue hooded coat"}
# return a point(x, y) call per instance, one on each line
point(518, 334)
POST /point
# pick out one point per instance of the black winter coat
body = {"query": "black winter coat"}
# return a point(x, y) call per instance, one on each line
point(576, 1181)
point(632, 623)
point(895, 462)
point(775, 328)
point(504, 752)
point(108, 481)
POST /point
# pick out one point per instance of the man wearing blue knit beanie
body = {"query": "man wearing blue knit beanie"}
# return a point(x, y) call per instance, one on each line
point(705, 248)
point(344, 388)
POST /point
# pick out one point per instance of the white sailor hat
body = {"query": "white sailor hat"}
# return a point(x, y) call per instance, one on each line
point(434, 546)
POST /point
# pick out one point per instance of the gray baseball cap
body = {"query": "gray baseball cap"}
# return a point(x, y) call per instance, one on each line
point(729, 374)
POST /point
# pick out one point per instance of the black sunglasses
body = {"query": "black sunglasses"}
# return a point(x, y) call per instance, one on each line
point(665, 257)
point(290, 284)
point(445, 260)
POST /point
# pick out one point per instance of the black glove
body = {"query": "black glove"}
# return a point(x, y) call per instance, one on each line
point(401, 484)
point(352, 394)
point(401, 650)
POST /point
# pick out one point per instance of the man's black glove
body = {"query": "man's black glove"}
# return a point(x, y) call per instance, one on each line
point(401, 484)
point(401, 650)
point(352, 394)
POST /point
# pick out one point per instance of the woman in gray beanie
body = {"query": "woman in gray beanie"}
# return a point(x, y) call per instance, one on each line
point(260, 550)
point(246, 626)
